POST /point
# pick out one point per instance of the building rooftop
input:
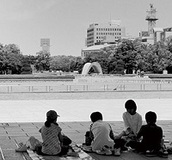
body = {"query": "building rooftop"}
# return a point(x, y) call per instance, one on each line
point(97, 47)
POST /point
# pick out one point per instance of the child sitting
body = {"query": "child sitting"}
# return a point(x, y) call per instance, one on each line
point(100, 137)
point(54, 143)
point(132, 122)
point(151, 134)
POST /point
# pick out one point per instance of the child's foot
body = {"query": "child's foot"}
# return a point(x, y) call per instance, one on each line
point(72, 153)
point(125, 149)
point(105, 151)
point(87, 148)
point(163, 153)
point(150, 153)
point(169, 150)
point(117, 152)
point(22, 148)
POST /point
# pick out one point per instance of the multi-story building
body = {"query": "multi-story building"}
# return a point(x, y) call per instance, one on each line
point(45, 44)
point(99, 33)
point(94, 49)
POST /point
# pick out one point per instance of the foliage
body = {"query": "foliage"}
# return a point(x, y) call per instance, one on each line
point(11, 59)
point(127, 56)
point(26, 67)
point(100, 57)
point(132, 55)
point(58, 63)
point(42, 61)
point(66, 63)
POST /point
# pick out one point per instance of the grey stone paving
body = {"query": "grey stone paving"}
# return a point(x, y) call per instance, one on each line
point(13, 133)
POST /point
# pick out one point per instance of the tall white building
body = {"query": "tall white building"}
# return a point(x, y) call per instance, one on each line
point(45, 44)
point(99, 33)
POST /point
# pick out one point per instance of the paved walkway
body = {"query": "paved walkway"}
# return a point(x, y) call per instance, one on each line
point(21, 119)
point(13, 133)
point(78, 109)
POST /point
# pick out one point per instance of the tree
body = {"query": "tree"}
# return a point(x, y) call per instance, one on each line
point(2, 60)
point(42, 61)
point(100, 57)
point(79, 64)
point(141, 56)
point(60, 63)
point(66, 63)
point(124, 55)
point(12, 59)
point(168, 43)
point(158, 57)
point(26, 66)
point(76, 64)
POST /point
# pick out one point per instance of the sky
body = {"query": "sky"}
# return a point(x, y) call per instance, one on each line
point(25, 22)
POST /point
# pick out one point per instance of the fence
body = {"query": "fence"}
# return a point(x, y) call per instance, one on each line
point(115, 86)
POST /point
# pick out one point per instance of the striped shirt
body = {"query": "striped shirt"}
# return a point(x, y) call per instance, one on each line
point(51, 142)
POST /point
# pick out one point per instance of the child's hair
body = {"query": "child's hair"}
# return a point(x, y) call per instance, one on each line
point(95, 116)
point(130, 104)
point(51, 118)
point(150, 117)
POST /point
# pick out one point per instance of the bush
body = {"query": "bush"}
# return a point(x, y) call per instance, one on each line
point(26, 68)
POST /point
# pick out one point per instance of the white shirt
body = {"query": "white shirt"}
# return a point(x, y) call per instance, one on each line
point(132, 121)
point(101, 130)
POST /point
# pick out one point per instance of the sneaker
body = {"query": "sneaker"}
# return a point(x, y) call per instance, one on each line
point(87, 148)
point(22, 148)
point(169, 150)
point(72, 153)
point(117, 152)
point(125, 149)
point(163, 154)
point(105, 151)
point(150, 153)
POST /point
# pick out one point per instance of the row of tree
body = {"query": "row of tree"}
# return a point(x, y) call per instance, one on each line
point(133, 55)
point(12, 61)
point(129, 55)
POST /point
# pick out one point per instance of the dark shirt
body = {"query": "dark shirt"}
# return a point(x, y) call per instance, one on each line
point(152, 136)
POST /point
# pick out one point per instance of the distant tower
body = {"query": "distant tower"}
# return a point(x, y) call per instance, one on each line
point(45, 44)
point(151, 18)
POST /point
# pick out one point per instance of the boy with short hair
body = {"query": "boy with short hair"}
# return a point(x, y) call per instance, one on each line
point(103, 142)
point(101, 132)
point(152, 135)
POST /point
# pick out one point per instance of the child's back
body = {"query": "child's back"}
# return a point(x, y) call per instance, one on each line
point(152, 136)
point(101, 132)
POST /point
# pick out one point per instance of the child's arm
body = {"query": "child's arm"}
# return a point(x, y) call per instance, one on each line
point(140, 134)
point(119, 135)
point(126, 123)
point(60, 137)
point(124, 133)
point(139, 124)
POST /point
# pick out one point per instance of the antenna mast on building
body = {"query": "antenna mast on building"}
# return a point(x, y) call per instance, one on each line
point(151, 18)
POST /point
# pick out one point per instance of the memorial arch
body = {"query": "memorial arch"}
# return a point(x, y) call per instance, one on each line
point(95, 65)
